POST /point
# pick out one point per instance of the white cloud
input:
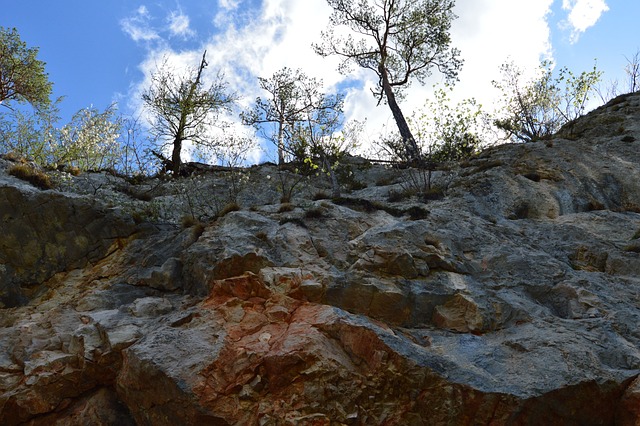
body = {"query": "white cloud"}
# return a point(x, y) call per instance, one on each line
point(138, 26)
point(228, 4)
point(179, 25)
point(583, 14)
point(256, 43)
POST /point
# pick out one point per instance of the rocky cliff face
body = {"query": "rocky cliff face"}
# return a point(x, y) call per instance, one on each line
point(515, 299)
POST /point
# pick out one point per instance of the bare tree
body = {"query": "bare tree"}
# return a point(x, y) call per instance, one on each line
point(398, 40)
point(632, 69)
point(183, 109)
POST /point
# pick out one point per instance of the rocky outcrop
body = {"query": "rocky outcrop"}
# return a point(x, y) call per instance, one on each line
point(42, 233)
point(512, 300)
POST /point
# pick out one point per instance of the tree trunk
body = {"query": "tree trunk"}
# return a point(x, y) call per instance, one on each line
point(184, 114)
point(335, 185)
point(175, 157)
point(280, 141)
point(411, 149)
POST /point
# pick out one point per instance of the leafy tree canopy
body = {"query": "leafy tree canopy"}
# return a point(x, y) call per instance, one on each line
point(183, 108)
point(535, 109)
point(22, 75)
point(396, 39)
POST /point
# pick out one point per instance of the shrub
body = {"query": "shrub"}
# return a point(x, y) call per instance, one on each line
point(30, 174)
point(538, 108)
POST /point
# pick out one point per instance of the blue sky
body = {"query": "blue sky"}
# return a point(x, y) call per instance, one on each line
point(99, 52)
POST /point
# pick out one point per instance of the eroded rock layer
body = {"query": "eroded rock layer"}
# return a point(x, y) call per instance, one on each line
point(514, 299)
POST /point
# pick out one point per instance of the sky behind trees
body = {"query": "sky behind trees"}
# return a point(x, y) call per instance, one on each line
point(103, 52)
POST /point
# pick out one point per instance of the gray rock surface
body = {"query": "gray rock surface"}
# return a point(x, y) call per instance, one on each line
point(515, 299)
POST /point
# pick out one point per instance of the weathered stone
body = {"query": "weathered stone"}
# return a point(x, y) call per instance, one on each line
point(43, 233)
point(515, 301)
point(629, 411)
point(460, 313)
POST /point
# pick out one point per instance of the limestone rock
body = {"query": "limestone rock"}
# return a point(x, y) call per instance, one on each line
point(515, 300)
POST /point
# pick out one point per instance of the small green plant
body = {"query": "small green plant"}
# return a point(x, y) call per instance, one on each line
point(633, 248)
point(148, 213)
point(30, 174)
point(433, 194)
point(636, 235)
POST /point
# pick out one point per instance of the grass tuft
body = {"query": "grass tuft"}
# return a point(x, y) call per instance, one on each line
point(30, 174)
point(230, 207)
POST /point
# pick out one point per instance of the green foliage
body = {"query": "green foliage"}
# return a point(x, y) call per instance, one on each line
point(399, 41)
point(536, 109)
point(89, 142)
point(32, 175)
point(22, 75)
point(291, 94)
point(31, 134)
point(183, 109)
point(448, 133)
point(327, 140)
point(417, 213)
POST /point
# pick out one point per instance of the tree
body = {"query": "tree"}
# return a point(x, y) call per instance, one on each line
point(22, 75)
point(91, 140)
point(449, 133)
point(398, 40)
point(630, 85)
point(536, 109)
point(291, 94)
point(31, 133)
point(136, 159)
point(322, 138)
point(183, 109)
point(632, 70)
